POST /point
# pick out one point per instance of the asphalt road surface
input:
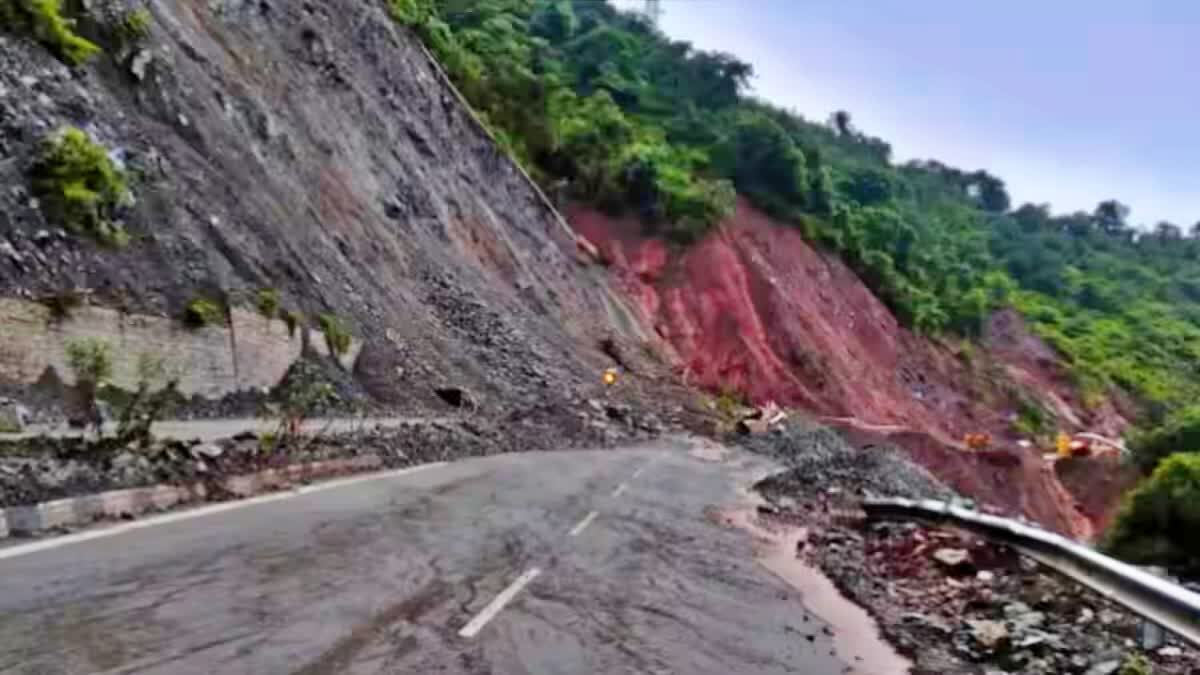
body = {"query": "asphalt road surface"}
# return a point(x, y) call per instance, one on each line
point(571, 562)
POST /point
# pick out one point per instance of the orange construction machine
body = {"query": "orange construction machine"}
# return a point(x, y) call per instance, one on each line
point(1086, 445)
point(981, 441)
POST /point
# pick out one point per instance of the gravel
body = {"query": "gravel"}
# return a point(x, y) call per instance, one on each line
point(949, 601)
point(819, 458)
point(41, 469)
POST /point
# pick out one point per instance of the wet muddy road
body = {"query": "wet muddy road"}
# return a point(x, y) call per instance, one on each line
point(579, 562)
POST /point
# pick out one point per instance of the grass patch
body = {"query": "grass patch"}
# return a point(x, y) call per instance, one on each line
point(267, 302)
point(728, 404)
point(202, 312)
point(1135, 664)
point(45, 22)
point(80, 185)
point(337, 336)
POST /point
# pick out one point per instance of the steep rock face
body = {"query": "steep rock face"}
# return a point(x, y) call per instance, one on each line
point(312, 148)
point(756, 308)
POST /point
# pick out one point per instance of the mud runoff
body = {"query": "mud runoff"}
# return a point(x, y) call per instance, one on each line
point(856, 637)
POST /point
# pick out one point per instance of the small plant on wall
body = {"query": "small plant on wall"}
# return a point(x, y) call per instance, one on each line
point(337, 336)
point(201, 312)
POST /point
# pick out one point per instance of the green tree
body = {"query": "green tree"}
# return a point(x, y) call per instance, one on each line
point(1158, 520)
point(763, 162)
point(1110, 216)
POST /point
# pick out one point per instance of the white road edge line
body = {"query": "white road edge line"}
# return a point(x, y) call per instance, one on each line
point(34, 547)
point(620, 488)
point(506, 596)
point(587, 520)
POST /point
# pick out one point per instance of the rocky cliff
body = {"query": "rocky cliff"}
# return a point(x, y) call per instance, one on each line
point(313, 149)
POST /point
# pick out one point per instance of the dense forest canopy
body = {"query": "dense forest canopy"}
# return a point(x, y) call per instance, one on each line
point(598, 104)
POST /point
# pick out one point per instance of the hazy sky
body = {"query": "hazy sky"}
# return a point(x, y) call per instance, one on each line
point(1068, 101)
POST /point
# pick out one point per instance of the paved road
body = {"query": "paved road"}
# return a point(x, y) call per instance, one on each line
point(214, 429)
point(610, 562)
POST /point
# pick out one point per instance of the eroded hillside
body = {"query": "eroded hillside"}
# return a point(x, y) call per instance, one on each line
point(310, 149)
point(755, 309)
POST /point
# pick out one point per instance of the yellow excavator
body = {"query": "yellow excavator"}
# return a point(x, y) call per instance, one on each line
point(1086, 444)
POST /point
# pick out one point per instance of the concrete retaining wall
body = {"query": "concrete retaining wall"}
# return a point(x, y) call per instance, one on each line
point(250, 352)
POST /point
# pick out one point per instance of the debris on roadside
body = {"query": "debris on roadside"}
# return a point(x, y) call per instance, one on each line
point(950, 601)
point(45, 468)
point(762, 419)
point(955, 603)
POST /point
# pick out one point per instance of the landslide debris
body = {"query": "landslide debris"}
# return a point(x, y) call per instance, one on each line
point(957, 604)
point(951, 602)
point(41, 469)
point(756, 309)
point(819, 459)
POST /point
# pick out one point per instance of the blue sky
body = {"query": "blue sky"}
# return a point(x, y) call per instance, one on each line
point(1069, 102)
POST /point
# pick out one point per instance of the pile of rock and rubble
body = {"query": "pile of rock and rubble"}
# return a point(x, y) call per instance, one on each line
point(43, 468)
point(818, 457)
point(957, 604)
point(950, 601)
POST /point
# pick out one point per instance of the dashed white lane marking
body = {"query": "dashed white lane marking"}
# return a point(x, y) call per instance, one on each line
point(497, 604)
point(620, 489)
point(587, 520)
point(34, 547)
point(640, 470)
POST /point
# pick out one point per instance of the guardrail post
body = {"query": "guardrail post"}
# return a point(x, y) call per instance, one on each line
point(1152, 636)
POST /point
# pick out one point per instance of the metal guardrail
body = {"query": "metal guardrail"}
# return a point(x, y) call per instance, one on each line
point(1158, 600)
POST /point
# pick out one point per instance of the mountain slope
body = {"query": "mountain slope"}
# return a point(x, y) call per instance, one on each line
point(609, 111)
point(313, 149)
point(754, 308)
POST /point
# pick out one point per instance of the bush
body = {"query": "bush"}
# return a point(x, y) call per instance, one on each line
point(1135, 664)
point(337, 337)
point(45, 21)
point(133, 26)
point(1180, 432)
point(1032, 419)
point(90, 360)
point(410, 12)
point(202, 312)
point(80, 185)
point(1158, 521)
point(729, 402)
point(267, 301)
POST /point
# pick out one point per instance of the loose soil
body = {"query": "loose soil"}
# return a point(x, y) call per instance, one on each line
point(756, 309)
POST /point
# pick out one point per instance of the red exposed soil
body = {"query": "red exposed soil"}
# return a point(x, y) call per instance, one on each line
point(755, 308)
point(1095, 482)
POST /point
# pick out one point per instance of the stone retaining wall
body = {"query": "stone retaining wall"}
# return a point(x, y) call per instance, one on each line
point(248, 352)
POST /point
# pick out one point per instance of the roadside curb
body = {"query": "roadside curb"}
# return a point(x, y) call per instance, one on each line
point(127, 503)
